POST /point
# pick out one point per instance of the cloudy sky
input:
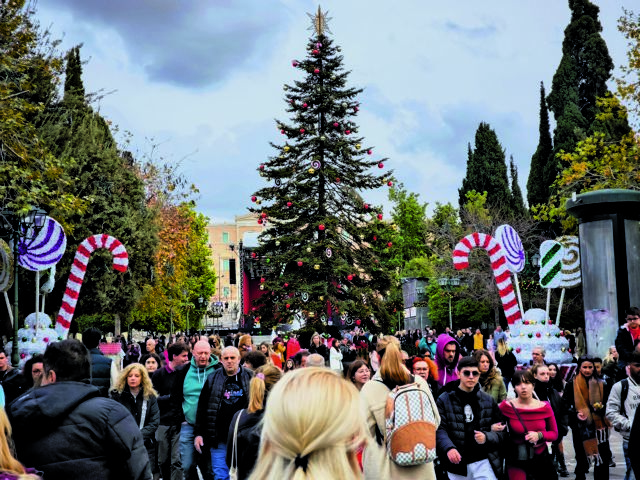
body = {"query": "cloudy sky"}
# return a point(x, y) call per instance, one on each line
point(202, 79)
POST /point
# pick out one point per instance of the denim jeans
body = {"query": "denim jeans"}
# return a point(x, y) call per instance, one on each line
point(219, 462)
point(191, 458)
point(629, 475)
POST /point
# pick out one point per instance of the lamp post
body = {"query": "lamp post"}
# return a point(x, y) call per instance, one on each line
point(449, 284)
point(531, 266)
point(17, 226)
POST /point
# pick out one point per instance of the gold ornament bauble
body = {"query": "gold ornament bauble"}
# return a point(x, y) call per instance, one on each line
point(312, 171)
point(286, 148)
point(308, 249)
point(261, 287)
point(316, 267)
point(358, 146)
point(277, 243)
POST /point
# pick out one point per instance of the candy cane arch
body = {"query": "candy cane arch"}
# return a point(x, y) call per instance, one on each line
point(498, 265)
point(78, 270)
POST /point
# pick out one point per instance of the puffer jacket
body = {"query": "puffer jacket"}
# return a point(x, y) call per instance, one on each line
point(209, 403)
point(100, 371)
point(450, 433)
point(68, 431)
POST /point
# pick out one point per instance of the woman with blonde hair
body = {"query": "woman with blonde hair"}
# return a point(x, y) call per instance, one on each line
point(247, 438)
point(135, 392)
point(313, 428)
point(10, 468)
point(392, 373)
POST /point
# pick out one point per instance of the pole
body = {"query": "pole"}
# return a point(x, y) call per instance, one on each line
point(15, 357)
point(450, 316)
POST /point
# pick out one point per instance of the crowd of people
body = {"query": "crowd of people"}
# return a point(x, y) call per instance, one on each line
point(418, 404)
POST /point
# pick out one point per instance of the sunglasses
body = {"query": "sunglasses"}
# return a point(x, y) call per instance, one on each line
point(470, 373)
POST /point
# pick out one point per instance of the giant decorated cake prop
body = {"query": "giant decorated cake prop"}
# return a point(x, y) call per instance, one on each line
point(560, 267)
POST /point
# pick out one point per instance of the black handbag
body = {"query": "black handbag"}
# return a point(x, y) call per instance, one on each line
point(520, 452)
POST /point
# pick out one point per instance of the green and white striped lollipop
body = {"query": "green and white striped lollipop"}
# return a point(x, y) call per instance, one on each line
point(551, 253)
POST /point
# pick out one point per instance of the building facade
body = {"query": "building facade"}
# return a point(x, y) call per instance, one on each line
point(224, 242)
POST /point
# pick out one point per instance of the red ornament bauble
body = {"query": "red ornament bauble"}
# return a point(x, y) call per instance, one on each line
point(253, 254)
point(253, 309)
point(336, 124)
point(260, 221)
point(381, 165)
point(375, 237)
point(389, 244)
point(282, 132)
point(561, 333)
point(262, 167)
point(369, 152)
point(321, 227)
point(347, 132)
point(526, 322)
point(518, 350)
point(289, 204)
point(338, 180)
point(355, 109)
point(390, 183)
point(294, 63)
point(287, 305)
point(538, 335)
point(358, 322)
point(304, 105)
point(263, 215)
point(315, 52)
point(286, 285)
point(302, 130)
point(300, 264)
point(316, 71)
point(262, 280)
point(349, 277)
point(366, 206)
point(550, 322)
point(254, 198)
point(379, 216)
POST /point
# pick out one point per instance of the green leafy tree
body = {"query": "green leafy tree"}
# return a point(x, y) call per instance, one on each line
point(538, 184)
point(410, 220)
point(629, 82)
point(82, 139)
point(487, 171)
point(323, 242)
point(29, 71)
point(518, 202)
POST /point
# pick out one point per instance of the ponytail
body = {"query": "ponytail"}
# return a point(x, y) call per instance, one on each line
point(265, 378)
point(391, 364)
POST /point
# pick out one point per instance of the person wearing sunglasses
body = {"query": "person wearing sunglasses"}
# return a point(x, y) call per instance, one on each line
point(466, 443)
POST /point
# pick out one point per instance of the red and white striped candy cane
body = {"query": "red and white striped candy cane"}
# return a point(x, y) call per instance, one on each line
point(498, 264)
point(78, 270)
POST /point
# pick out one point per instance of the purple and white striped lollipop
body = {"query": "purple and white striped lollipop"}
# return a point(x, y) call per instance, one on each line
point(507, 236)
point(42, 251)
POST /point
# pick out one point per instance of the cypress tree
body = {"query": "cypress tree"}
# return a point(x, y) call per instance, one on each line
point(537, 184)
point(581, 77)
point(518, 202)
point(487, 171)
point(73, 85)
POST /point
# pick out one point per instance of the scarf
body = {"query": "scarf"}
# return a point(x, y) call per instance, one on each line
point(588, 401)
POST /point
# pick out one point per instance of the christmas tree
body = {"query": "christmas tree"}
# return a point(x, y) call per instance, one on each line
point(324, 246)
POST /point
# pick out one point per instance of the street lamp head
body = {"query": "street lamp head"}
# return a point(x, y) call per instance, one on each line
point(535, 260)
point(454, 282)
point(232, 247)
point(443, 281)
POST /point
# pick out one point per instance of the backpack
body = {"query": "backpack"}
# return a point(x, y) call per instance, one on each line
point(624, 392)
point(410, 426)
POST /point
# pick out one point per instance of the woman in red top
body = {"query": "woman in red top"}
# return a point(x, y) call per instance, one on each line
point(536, 424)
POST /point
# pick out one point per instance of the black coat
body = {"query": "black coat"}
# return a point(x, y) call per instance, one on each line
point(547, 393)
point(210, 400)
point(624, 345)
point(451, 432)
point(163, 381)
point(68, 431)
point(100, 371)
point(13, 384)
point(320, 350)
point(247, 443)
point(134, 406)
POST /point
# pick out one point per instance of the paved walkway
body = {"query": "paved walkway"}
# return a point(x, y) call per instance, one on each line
point(615, 473)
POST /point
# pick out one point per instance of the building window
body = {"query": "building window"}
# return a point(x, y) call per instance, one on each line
point(225, 264)
point(226, 292)
point(225, 237)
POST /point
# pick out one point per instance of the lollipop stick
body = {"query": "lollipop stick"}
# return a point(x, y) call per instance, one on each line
point(44, 297)
point(37, 295)
point(6, 299)
point(560, 306)
point(515, 277)
point(548, 301)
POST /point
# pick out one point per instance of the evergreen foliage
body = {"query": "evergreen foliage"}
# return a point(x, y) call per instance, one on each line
point(324, 246)
point(629, 83)
point(487, 171)
point(82, 139)
point(538, 184)
point(518, 202)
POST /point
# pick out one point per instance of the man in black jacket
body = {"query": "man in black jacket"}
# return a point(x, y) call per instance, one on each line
point(12, 381)
point(168, 433)
point(626, 336)
point(465, 442)
point(225, 393)
point(67, 430)
point(103, 373)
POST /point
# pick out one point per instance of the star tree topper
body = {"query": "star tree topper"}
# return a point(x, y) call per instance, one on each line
point(319, 22)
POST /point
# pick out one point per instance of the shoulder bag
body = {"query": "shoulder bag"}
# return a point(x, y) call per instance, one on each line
point(233, 471)
point(521, 452)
